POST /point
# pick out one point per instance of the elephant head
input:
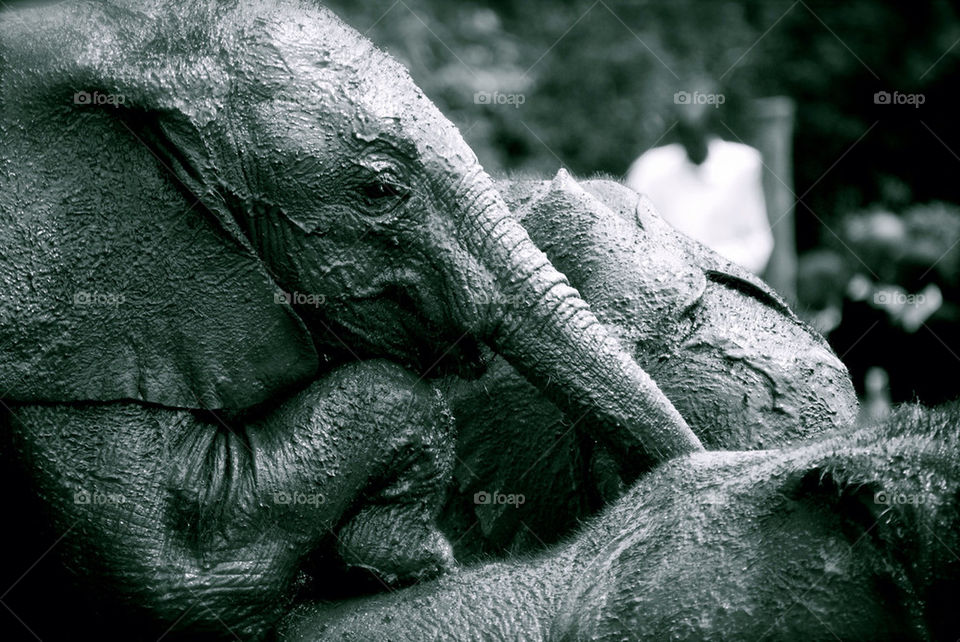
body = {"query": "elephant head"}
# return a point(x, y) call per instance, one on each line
point(178, 175)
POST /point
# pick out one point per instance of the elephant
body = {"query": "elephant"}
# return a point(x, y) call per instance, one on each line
point(210, 211)
point(264, 153)
point(848, 536)
point(729, 354)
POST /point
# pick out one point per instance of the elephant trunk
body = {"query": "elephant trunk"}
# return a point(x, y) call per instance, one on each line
point(528, 313)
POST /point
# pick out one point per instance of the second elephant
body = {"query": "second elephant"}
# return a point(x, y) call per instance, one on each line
point(726, 350)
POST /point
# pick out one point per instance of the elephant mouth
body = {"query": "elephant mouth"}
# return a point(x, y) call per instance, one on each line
point(390, 323)
point(323, 577)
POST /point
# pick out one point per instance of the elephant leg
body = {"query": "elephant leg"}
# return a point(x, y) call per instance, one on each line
point(394, 534)
point(191, 519)
point(399, 542)
point(397, 435)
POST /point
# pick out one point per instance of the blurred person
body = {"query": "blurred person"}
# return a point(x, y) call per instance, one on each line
point(709, 189)
point(877, 403)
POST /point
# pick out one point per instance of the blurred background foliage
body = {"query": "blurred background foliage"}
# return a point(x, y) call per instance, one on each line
point(598, 79)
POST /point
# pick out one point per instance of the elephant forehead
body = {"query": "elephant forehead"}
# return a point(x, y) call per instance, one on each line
point(387, 105)
point(317, 81)
point(315, 141)
point(406, 119)
point(329, 118)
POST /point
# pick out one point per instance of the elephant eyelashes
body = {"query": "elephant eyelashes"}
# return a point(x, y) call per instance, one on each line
point(378, 190)
point(383, 195)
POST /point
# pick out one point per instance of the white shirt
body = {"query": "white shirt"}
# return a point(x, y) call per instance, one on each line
point(719, 202)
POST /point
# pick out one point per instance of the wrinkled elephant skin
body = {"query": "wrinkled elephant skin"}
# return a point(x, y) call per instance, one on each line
point(209, 210)
point(279, 197)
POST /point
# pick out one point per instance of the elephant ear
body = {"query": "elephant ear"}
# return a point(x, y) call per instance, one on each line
point(122, 276)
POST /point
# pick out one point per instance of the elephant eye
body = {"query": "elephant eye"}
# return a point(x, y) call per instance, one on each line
point(381, 194)
point(377, 190)
point(380, 191)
